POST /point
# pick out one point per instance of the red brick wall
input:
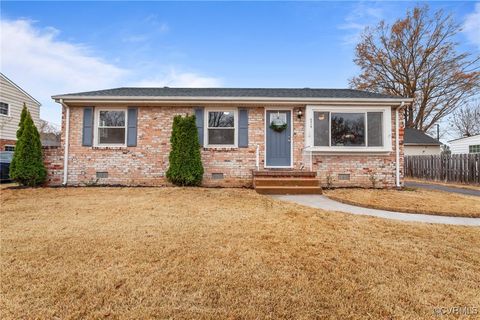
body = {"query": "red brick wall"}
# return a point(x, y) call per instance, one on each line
point(53, 160)
point(147, 163)
point(6, 142)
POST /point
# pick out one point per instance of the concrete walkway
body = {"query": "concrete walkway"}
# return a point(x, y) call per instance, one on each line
point(439, 187)
point(322, 202)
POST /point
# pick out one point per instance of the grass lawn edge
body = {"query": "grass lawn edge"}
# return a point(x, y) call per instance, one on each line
point(380, 207)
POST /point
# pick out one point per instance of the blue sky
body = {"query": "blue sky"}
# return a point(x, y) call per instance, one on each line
point(75, 46)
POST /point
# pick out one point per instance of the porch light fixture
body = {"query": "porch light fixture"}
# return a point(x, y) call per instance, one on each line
point(299, 113)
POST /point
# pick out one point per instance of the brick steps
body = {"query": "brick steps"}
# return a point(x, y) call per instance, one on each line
point(286, 182)
point(284, 173)
point(288, 190)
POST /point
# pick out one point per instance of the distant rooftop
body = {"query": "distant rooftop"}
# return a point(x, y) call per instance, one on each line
point(417, 137)
point(231, 93)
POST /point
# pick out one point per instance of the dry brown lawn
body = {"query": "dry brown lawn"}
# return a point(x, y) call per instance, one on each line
point(411, 201)
point(447, 184)
point(134, 253)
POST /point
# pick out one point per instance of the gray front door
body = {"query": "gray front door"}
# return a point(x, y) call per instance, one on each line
point(279, 144)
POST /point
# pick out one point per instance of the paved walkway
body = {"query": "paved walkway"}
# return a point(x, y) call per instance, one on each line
point(322, 202)
point(439, 187)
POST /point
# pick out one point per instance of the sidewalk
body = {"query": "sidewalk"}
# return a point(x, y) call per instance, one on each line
point(322, 202)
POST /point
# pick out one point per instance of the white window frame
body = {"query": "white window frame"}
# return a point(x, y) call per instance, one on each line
point(473, 145)
point(206, 127)
point(8, 109)
point(96, 136)
point(386, 126)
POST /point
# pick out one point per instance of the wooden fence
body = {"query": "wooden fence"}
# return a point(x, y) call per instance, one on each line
point(463, 168)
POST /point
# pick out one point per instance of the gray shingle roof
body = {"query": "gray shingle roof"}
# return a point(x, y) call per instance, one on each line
point(417, 137)
point(233, 92)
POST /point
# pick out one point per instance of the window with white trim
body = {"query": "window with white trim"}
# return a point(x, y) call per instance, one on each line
point(221, 128)
point(4, 108)
point(349, 129)
point(111, 129)
point(475, 148)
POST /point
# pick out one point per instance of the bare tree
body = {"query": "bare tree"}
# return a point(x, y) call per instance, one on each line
point(47, 127)
point(466, 120)
point(416, 57)
point(49, 133)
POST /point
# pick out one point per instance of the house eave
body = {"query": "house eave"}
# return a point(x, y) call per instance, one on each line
point(242, 100)
point(423, 144)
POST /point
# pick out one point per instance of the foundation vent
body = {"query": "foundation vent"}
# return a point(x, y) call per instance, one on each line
point(344, 176)
point(102, 174)
point(217, 176)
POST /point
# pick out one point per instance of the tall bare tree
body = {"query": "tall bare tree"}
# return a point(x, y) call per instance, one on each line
point(417, 57)
point(466, 120)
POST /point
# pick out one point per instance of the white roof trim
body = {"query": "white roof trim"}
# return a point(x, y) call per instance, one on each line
point(20, 89)
point(183, 99)
point(463, 138)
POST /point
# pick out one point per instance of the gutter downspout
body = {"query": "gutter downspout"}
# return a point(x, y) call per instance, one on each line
point(67, 133)
point(397, 147)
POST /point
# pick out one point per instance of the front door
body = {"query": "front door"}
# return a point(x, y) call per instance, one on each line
point(279, 140)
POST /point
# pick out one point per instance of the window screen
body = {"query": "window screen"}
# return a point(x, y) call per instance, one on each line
point(111, 127)
point(4, 108)
point(375, 132)
point(221, 128)
point(321, 133)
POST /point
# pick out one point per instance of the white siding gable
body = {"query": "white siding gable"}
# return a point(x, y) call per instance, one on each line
point(14, 96)
point(461, 145)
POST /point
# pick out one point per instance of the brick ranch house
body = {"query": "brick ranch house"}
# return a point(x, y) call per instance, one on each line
point(338, 137)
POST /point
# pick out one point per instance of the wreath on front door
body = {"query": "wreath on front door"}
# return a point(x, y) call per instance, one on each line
point(278, 127)
point(278, 123)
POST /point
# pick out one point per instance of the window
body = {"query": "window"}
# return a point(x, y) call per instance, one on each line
point(3, 109)
point(221, 127)
point(474, 148)
point(111, 127)
point(9, 148)
point(347, 129)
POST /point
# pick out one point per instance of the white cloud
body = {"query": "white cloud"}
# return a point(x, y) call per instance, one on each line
point(361, 16)
point(179, 79)
point(471, 26)
point(43, 65)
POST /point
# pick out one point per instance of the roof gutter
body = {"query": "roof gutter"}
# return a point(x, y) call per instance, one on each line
point(397, 146)
point(244, 100)
point(65, 150)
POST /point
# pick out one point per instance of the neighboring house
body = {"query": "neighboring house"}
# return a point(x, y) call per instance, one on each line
point(418, 143)
point(12, 98)
point(465, 145)
point(50, 139)
point(344, 137)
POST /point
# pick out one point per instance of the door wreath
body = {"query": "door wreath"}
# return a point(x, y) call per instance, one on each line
point(278, 127)
point(278, 122)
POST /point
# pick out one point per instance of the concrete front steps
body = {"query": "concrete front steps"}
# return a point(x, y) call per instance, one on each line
point(286, 182)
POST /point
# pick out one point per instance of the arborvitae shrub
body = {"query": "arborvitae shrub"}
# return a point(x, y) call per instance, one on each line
point(186, 167)
point(27, 166)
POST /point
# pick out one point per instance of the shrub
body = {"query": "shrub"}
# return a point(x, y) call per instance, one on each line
point(27, 166)
point(185, 160)
point(23, 116)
